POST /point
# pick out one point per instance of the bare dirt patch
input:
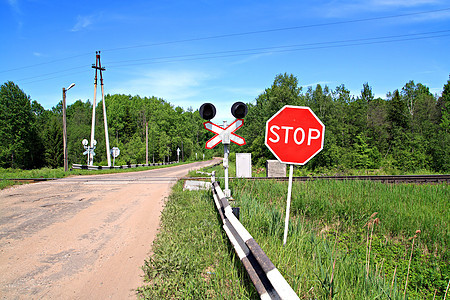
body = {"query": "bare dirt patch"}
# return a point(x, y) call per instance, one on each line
point(82, 237)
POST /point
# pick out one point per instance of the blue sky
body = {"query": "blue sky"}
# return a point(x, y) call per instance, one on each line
point(191, 52)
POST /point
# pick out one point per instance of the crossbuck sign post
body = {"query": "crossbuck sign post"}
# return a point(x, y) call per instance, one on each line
point(224, 134)
point(294, 135)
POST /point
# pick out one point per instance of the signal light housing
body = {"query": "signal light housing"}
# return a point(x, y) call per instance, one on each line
point(239, 110)
point(207, 111)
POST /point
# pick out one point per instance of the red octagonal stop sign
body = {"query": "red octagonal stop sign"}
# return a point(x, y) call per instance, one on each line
point(294, 134)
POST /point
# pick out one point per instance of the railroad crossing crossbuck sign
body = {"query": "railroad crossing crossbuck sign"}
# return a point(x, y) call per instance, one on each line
point(294, 134)
point(224, 135)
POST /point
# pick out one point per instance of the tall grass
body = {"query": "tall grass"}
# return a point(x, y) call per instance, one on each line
point(328, 242)
point(191, 256)
point(334, 248)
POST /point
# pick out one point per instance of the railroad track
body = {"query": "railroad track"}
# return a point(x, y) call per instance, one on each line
point(29, 180)
point(378, 178)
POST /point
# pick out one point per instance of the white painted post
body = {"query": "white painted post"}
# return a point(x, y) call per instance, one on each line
point(288, 204)
point(108, 151)
point(226, 152)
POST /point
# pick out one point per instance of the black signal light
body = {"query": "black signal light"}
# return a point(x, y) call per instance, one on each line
point(207, 111)
point(239, 110)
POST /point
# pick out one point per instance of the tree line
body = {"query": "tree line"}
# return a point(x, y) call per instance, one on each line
point(409, 130)
point(31, 136)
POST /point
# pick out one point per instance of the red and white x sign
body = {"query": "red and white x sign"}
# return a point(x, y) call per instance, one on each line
point(224, 134)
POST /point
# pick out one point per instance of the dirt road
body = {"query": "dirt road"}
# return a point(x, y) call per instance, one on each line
point(83, 237)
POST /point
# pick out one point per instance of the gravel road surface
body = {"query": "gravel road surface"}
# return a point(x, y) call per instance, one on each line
point(83, 237)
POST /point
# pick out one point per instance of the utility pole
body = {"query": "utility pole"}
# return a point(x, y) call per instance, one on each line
point(146, 143)
point(98, 67)
point(182, 150)
point(66, 162)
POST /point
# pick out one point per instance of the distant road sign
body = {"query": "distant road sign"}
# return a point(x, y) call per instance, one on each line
point(115, 152)
point(294, 134)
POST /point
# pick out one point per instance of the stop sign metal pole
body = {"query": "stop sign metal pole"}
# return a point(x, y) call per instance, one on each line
point(288, 204)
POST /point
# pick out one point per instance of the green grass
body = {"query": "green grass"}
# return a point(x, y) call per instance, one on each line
point(191, 255)
point(328, 226)
point(326, 252)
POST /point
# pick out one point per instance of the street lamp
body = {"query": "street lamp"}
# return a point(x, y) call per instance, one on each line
point(64, 90)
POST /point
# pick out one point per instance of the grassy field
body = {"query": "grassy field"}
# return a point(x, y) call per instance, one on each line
point(347, 240)
point(191, 255)
point(354, 239)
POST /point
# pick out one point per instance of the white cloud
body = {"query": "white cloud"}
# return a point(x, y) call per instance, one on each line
point(171, 85)
point(82, 23)
point(244, 92)
point(186, 88)
point(14, 4)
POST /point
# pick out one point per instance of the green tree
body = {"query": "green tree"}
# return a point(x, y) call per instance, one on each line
point(53, 142)
point(17, 129)
point(441, 155)
point(444, 107)
point(284, 91)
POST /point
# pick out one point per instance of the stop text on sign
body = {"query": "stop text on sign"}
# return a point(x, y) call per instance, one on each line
point(294, 134)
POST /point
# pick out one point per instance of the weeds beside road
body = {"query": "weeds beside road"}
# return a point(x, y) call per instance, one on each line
point(336, 248)
point(191, 256)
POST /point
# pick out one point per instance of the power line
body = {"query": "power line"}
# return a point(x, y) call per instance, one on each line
point(264, 50)
point(51, 73)
point(278, 29)
point(240, 34)
point(286, 50)
point(281, 47)
point(54, 77)
point(45, 63)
